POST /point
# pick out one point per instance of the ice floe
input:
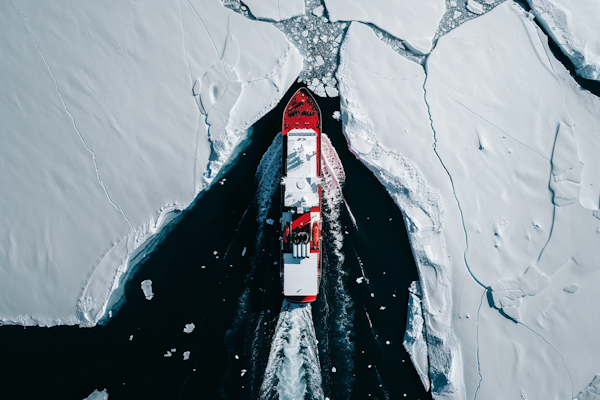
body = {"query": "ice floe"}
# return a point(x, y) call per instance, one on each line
point(147, 289)
point(415, 22)
point(189, 328)
point(275, 10)
point(109, 97)
point(488, 152)
point(98, 395)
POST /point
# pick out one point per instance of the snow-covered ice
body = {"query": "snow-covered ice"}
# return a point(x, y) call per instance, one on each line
point(415, 22)
point(189, 328)
point(575, 27)
point(147, 289)
point(112, 123)
point(275, 10)
point(489, 153)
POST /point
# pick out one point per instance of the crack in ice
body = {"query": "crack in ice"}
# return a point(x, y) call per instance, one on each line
point(477, 342)
point(72, 118)
point(451, 180)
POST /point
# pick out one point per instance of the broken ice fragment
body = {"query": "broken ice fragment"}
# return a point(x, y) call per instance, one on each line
point(130, 338)
point(318, 11)
point(186, 355)
point(319, 60)
point(474, 7)
point(336, 115)
point(147, 289)
point(168, 354)
point(270, 221)
point(382, 308)
point(98, 395)
point(189, 328)
point(333, 369)
point(360, 280)
point(244, 252)
point(243, 372)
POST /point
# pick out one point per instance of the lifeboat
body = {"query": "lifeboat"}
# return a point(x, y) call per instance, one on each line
point(300, 267)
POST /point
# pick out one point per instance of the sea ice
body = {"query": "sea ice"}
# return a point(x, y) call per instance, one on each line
point(147, 289)
point(275, 10)
point(415, 22)
point(189, 328)
point(109, 96)
point(573, 25)
point(186, 355)
point(489, 155)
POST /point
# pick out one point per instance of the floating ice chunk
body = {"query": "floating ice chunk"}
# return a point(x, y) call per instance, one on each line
point(244, 252)
point(415, 22)
point(130, 338)
point(98, 395)
point(573, 25)
point(319, 60)
point(270, 221)
point(168, 354)
point(336, 115)
point(333, 369)
point(173, 350)
point(360, 280)
point(276, 10)
point(147, 289)
point(186, 355)
point(318, 11)
point(243, 372)
point(474, 7)
point(189, 328)
point(382, 308)
point(331, 91)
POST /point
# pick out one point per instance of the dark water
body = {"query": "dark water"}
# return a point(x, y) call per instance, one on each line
point(69, 362)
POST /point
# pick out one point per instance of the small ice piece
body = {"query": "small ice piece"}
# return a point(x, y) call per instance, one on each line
point(336, 115)
point(333, 369)
point(189, 328)
point(215, 253)
point(130, 338)
point(319, 60)
point(203, 267)
point(387, 342)
point(244, 252)
point(324, 38)
point(237, 357)
point(109, 313)
point(270, 221)
point(372, 294)
point(304, 33)
point(572, 288)
point(168, 354)
point(331, 91)
point(474, 7)
point(147, 289)
point(243, 372)
point(360, 280)
point(318, 11)
point(382, 308)
point(98, 395)
point(186, 355)
point(173, 350)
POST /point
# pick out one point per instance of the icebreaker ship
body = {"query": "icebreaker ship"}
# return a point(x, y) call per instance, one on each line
point(300, 267)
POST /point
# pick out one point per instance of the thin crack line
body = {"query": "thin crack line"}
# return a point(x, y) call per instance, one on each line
point(492, 124)
point(477, 341)
point(72, 118)
point(434, 146)
point(562, 360)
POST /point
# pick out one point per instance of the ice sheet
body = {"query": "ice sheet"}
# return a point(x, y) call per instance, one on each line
point(276, 10)
point(104, 141)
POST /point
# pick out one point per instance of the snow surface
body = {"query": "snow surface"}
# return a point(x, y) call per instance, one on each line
point(575, 27)
point(104, 141)
point(275, 10)
point(98, 395)
point(415, 22)
point(489, 153)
